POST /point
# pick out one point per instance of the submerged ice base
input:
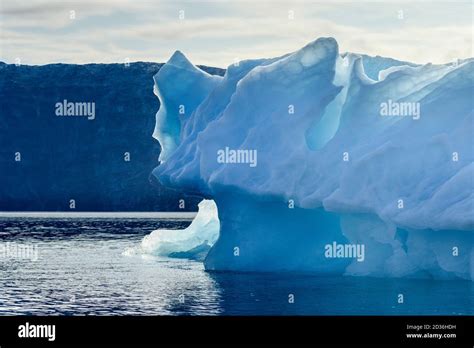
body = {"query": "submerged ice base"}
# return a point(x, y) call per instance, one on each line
point(340, 159)
point(270, 236)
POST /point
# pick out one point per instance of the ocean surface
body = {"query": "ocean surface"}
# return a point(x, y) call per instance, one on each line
point(79, 266)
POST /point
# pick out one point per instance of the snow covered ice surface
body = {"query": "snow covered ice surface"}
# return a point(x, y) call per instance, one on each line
point(305, 151)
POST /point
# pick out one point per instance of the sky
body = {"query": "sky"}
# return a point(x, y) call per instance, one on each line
point(219, 33)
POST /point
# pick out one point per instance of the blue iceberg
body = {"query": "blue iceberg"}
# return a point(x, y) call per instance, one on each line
point(192, 242)
point(316, 167)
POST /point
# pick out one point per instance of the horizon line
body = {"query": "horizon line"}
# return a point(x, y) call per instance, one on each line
point(95, 214)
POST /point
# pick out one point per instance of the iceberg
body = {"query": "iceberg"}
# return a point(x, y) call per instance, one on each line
point(192, 243)
point(383, 164)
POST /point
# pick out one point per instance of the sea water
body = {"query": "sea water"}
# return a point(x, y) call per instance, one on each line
point(79, 266)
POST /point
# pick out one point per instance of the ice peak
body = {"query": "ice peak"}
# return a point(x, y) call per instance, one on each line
point(317, 50)
point(178, 59)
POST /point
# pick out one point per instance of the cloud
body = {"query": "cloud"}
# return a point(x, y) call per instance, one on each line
point(217, 33)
